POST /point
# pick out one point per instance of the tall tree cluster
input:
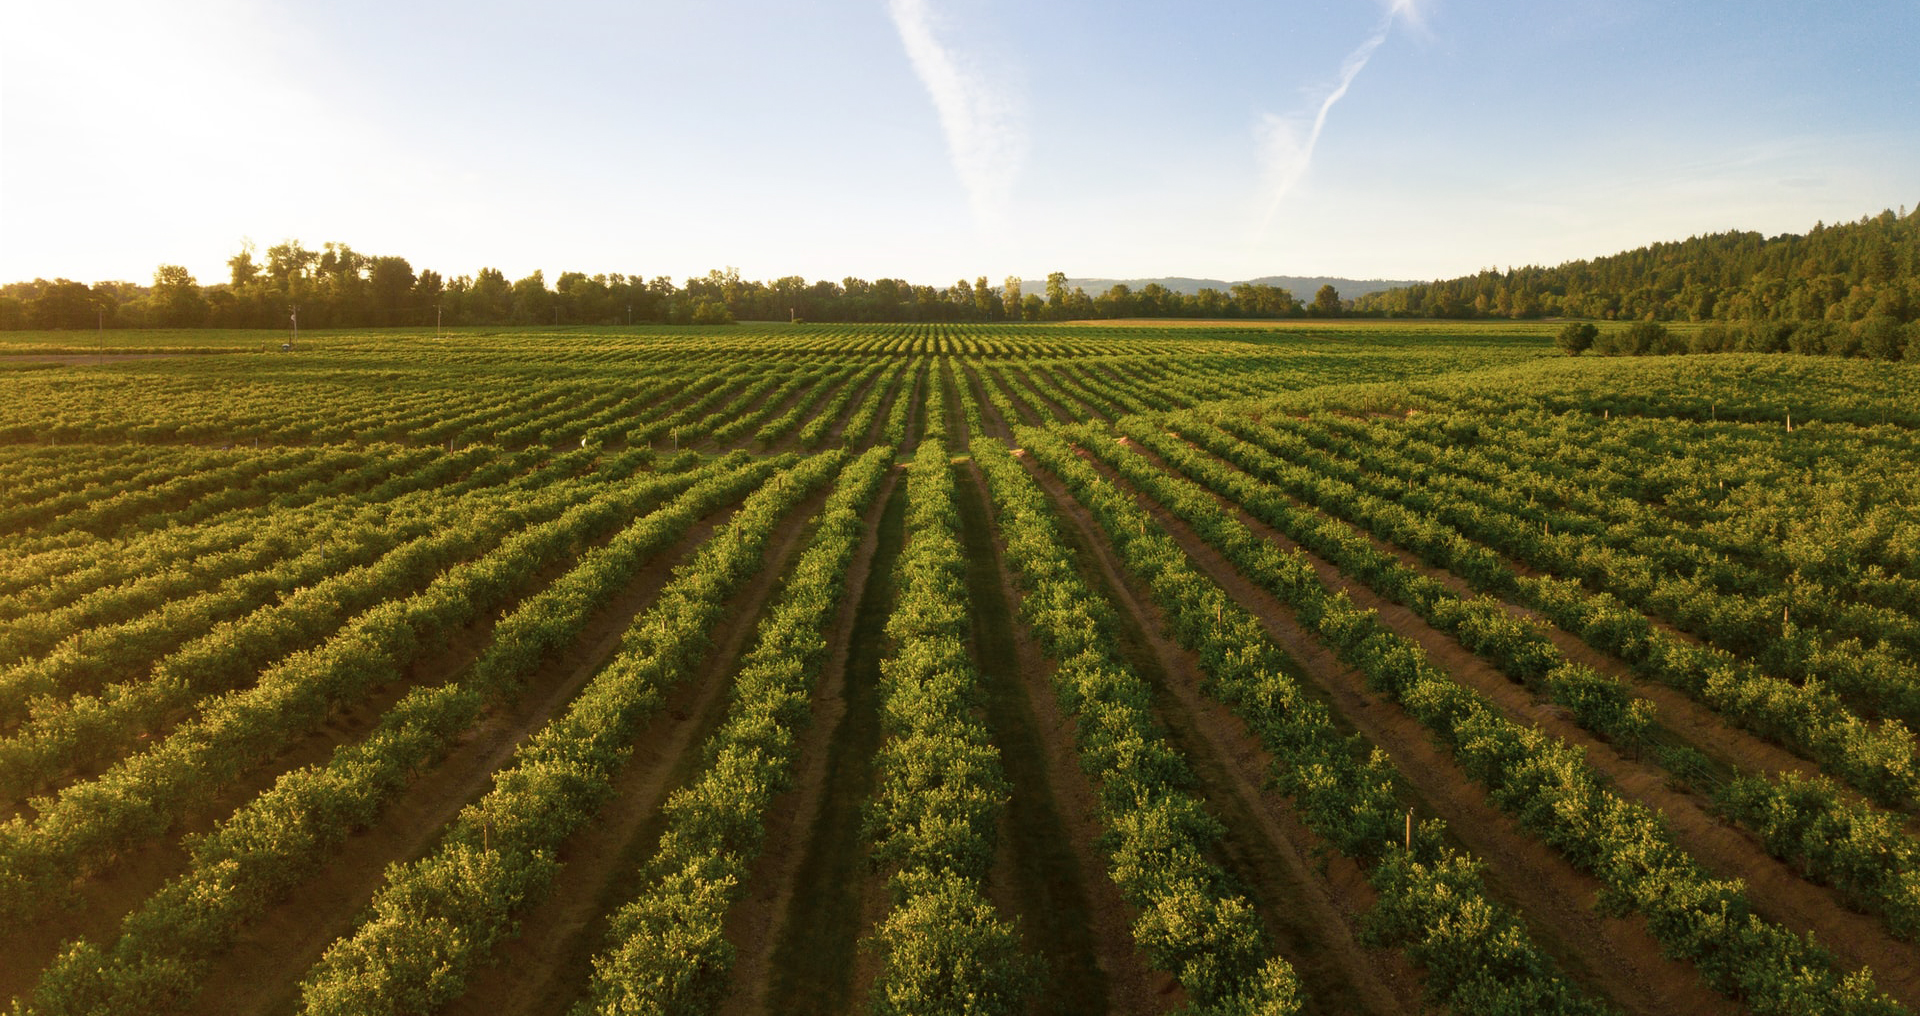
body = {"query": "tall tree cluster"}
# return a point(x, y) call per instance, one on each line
point(339, 287)
point(1841, 275)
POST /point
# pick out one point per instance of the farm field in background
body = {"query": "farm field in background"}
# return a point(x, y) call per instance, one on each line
point(1326, 667)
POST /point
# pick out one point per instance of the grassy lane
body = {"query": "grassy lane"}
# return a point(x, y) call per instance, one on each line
point(813, 964)
point(1046, 879)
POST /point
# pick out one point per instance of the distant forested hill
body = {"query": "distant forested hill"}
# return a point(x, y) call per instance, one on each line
point(1301, 287)
point(1842, 273)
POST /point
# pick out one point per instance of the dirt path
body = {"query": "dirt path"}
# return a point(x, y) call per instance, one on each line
point(838, 432)
point(1089, 413)
point(958, 434)
point(790, 441)
point(1045, 872)
point(1310, 906)
point(775, 879)
point(1023, 376)
point(990, 415)
point(1722, 848)
point(1613, 957)
point(1022, 405)
point(261, 972)
point(916, 429)
point(546, 967)
point(814, 884)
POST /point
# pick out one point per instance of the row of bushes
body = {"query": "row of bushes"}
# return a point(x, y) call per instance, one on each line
point(1787, 624)
point(939, 790)
point(165, 485)
point(284, 836)
point(1478, 957)
point(864, 381)
point(1881, 338)
point(1528, 655)
point(864, 414)
point(824, 381)
point(70, 726)
point(1519, 649)
point(1159, 837)
point(894, 432)
point(666, 952)
point(435, 917)
point(1550, 789)
point(254, 619)
point(732, 418)
point(1807, 718)
point(1650, 486)
point(76, 832)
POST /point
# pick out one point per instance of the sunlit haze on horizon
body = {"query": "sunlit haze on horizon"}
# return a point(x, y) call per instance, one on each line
point(938, 139)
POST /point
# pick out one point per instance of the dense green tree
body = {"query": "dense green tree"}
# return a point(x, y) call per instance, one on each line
point(1576, 337)
point(62, 303)
point(1326, 301)
point(177, 300)
point(390, 283)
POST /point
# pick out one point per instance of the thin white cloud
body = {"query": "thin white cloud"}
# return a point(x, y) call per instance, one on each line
point(979, 115)
point(1286, 143)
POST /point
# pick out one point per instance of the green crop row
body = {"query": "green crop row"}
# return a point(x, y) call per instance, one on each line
point(1477, 956)
point(1159, 836)
point(284, 836)
point(78, 831)
point(666, 952)
point(435, 918)
point(1552, 791)
point(1809, 719)
point(939, 788)
point(1528, 656)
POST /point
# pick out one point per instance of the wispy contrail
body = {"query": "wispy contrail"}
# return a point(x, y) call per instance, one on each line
point(1287, 142)
point(981, 120)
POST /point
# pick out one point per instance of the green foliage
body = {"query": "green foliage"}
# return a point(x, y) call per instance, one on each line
point(1576, 337)
point(1345, 798)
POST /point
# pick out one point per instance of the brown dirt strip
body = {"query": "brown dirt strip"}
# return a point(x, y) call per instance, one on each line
point(1612, 957)
point(877, 429)
point(754, 924)
point(790, 441)
point(1023, 376)
point(1089, 411)
point(1045, 873)
point(261, 972)
point(1777, 892)
point(838, 432)
point(996, 376)
point(958, 434)
point(1310, 899)
point(547, 966)
point(828, 895)
point(990, 414)
point(917, 409)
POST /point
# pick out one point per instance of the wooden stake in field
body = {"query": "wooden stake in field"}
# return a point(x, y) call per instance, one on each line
point(1409, 830)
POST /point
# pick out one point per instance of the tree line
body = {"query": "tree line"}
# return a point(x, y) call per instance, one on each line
point(339, 287)
point(1840, 275)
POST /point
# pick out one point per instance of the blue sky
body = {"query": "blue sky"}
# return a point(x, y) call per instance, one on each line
point(940, 139)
